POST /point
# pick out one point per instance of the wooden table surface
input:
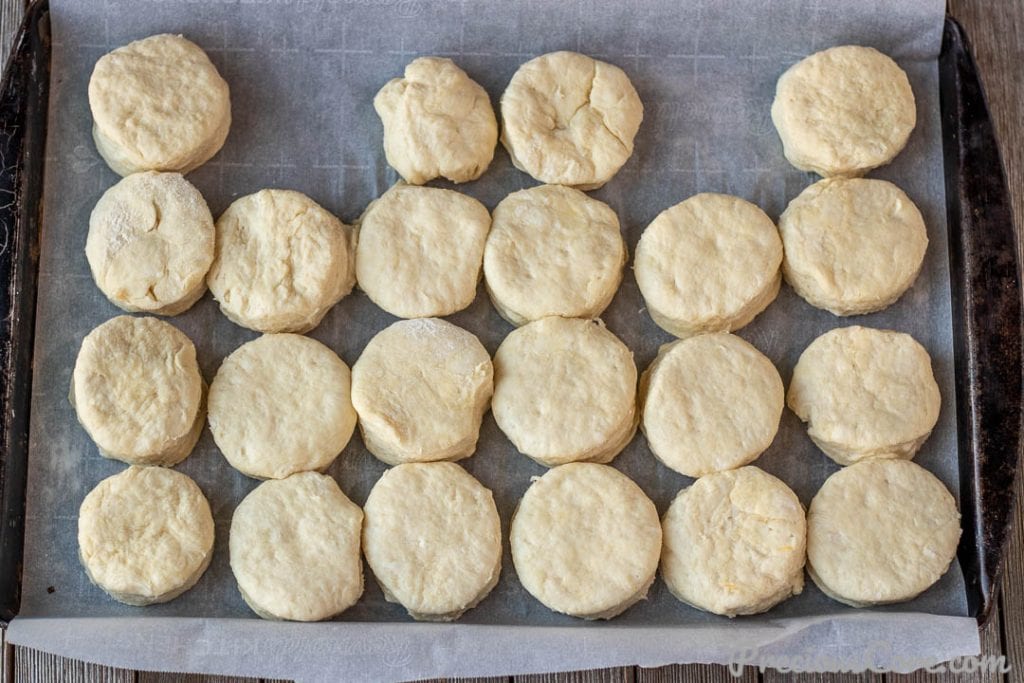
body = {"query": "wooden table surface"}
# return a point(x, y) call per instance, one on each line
point(996, 31)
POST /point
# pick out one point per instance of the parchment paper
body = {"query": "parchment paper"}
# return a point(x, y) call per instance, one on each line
point(302, 77)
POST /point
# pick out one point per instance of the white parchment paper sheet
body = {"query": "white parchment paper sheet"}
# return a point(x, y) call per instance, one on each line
point(302, 77)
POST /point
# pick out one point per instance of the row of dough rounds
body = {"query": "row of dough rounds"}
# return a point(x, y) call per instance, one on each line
point(585, 540)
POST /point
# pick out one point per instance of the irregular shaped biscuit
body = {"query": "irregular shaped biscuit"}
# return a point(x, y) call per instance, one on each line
point(158, 104)
point(586, 540)
point(137, 391)
point(553, 251)
point(865, 393)
point(433, 539)
point(294, 548)
point(708, 264)
point(421, 388)
point(852, 245)
point(568, 119)
point(735, 543)
point(438, 122)
point(710, 403)
point(843, 111)
point(879, 532)
point(420, 250)
point(281, 404)
point(150, 243)
point(282, 262)
point(565, 391)
point(145, 535)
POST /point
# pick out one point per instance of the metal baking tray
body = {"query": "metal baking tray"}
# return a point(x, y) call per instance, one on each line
point(984, 271)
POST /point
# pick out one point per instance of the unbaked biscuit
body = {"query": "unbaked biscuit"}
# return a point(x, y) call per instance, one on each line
point(137, 391)
point(158, 104)
point(420, 250)
point(438, 122)
point(145, 535)
point(553, 250)
point(708, 264)
point(734, 543)
point(852, 245)
point(433, 539)
point(879, 532)
point(421, 388)
point(865, 393)
point(710, 403)
point(150, 243)
point(282, 262)
point(281, 404)
point(586, 541)
point(294, 546)
point(843, 111)
point(565, 391)
point(568, 119)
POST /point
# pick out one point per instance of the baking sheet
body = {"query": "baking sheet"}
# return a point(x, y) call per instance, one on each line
point(302, 77)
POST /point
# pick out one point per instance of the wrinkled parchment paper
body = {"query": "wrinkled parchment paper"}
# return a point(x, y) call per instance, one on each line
point(302, 77)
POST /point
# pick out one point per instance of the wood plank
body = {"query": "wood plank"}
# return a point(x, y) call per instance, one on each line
point(695, 673)
point(619, 675)
point(775, 676)
point(964, 670)
point(42, 667)
point(11, 12)
point(162, 677)
point(489, 679)
point(6, 659)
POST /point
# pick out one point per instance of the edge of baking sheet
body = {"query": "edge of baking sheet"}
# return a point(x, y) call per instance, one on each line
point(24, 96)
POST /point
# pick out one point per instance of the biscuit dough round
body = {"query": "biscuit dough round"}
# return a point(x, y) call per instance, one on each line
point(137, 391)
point(879, 532)
point(568, 119)
point(735, 543)
point(421, 388)
point(420, 250)
point(282, 262)
point(852, 245)
point(586, 541)
point(553, 251)
point(843, 111)
point(438, 122)
point(151, 243)
point(708, 264)
point(145, 535)
point(433, 539)
point(865, 393)
point(565, 391)
point(710, 403)
point(158, 104)
point(281, 404)
point(294, 547)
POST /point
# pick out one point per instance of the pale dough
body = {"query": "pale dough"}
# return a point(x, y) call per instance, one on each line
point(735, 543)
point(420, 250)
point(145, 535)
point(158, 104)
point(438, 122)
point(708, 264)
point(282, 262)
point(151, 243)
point(421, 388)
point(565, 391)
point(852, 245)
point(879, 532)
point(553, 251)
point(568, 119)
point(710, 403)
point(137, 391)
point(294, 547)
point(433, 539)
point(865, 393)
point(843, 111)
point(586, 541)
point(281, 404)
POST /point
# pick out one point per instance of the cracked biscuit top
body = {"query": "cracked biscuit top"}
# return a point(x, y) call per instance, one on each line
point(568, 119)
